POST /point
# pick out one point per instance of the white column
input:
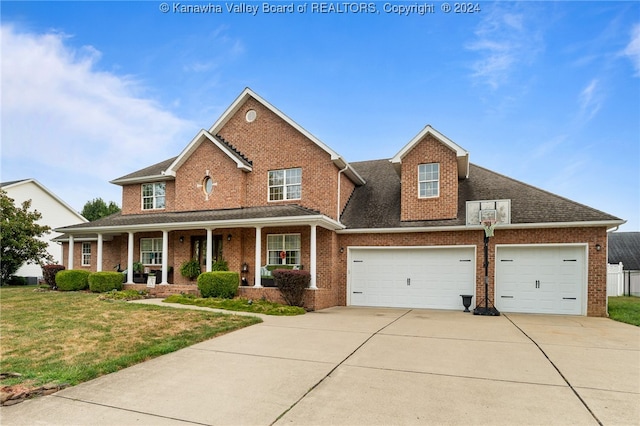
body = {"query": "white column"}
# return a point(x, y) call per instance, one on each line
point(70, 259)
point(258, 259)
point(209, 248)
point(312, 257)
point(99, 258)
point(130, 259)
point(165, 257)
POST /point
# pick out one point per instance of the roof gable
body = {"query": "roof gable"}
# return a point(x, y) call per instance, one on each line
point(247, 93)
point(461, 154)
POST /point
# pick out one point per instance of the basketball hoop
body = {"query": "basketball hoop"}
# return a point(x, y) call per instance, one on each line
point(489, 225)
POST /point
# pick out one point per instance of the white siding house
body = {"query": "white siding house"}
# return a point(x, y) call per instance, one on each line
point(55, 213)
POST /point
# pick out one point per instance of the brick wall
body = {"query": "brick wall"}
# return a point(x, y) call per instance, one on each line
point(445, 206)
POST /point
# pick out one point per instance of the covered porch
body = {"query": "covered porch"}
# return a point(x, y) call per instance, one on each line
point(245, 239)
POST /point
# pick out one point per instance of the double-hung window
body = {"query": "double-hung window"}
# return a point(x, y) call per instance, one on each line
point(283, 247)
point(86, 254)
point(285, 184)
point(153, 196)
point(428, 180)
point(151, 251)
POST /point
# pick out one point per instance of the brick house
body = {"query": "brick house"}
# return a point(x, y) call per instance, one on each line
point(257, 189)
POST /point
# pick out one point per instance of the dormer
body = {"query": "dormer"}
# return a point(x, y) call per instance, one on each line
point(429, 167)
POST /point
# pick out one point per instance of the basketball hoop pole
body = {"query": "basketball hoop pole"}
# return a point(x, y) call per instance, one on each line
point(488, 232)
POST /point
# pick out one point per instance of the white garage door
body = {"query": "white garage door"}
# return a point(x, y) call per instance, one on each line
point(540, 279)
point(411, 277)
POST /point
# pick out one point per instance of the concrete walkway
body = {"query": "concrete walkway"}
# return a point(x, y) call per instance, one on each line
point(363, 366)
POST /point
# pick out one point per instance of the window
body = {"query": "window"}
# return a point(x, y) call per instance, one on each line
point(153, 196)
point(285, 184)
point(287, 243)
point(151, 251)
point(428, 180)
point(86, 254)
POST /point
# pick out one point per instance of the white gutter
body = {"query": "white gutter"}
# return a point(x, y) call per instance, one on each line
point(320, 220)
point(592, 224)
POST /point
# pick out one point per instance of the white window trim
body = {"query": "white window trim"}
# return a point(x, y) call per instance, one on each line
point(283, 242)
point(154, 197)
point(284, 185)
point(429, 180)
point(86, 254)
point(156, 243)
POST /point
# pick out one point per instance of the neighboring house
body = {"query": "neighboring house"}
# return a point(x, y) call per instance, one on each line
point(55, 213)
point(258, 189)
point(624, 264)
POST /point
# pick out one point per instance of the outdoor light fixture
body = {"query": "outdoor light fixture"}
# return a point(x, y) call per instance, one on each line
point(245, 268)
point(341, 249)
point(229, 237)
point(181, 239)
point(598, 247)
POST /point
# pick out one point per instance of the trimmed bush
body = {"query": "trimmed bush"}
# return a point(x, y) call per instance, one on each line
point(101, 282)
point(292, 284)
point(221, 284)
point(49, 273)
point(72, 280)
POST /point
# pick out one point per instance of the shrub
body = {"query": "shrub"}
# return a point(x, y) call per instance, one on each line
point(292, 284)
point(221, 284)
point(16, 280)
point(72, 280)
point(100, 282)
point(49, 273)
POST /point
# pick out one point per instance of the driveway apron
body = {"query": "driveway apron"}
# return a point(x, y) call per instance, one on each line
point(355, 366)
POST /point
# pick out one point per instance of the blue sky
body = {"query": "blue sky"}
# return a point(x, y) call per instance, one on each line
point(544, 92)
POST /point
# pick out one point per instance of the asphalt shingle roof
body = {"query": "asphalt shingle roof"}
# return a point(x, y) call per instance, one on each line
point(377, 204)
point(625, 247)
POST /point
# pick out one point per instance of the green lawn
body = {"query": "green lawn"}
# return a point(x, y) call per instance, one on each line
point(625, 309)
point(72, 337)
point(237, 304)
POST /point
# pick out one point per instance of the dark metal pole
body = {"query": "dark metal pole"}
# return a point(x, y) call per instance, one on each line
point(486, 273)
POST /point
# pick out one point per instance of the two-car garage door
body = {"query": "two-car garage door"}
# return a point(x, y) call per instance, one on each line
point(411, 277)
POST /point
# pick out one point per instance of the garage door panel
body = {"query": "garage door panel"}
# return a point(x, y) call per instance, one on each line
point(412, 278)
point(548, 279)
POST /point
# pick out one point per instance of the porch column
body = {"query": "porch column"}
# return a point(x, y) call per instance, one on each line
point(312, 257)
point(165, 256)
point(209, 248)
point(99, 258)
point(258, 259)
point(130, 259)
point(70, 260)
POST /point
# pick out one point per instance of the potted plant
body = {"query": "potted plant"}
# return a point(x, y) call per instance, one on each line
point(138, 276)
point(190, 269)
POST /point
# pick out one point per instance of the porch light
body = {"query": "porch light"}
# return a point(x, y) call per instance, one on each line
point(245, 268)
point(229, 237)
point(181, 239)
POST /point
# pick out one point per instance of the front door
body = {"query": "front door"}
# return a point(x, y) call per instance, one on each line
point(199, 250)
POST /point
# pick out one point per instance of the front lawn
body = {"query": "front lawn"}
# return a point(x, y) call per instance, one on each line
point(72, 337)
point(625, 309)
point(237, 304)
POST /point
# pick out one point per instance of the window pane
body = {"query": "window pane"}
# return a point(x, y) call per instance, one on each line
point(160, 202)
point(293, 192)
point(147, 190)
point(160, 189)
point(275, 193)
point(294, 176)
point(276, 177)
point(292, 242)
point(274, 242)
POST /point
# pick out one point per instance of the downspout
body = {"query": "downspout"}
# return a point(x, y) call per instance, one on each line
point(338, 203)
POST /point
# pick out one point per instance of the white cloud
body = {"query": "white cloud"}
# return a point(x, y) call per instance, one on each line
point(60, 111)
point(590, 100)
point(632, 51)
point(503, 42)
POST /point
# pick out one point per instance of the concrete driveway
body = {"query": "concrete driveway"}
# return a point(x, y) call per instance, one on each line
point(363, 366)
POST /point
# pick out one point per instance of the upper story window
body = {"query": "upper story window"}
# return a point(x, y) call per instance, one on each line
point(428, 180)
point(153, 196)
point(86, 254)
point(285, 184)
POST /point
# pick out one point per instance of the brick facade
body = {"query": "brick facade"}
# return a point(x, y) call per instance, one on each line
point(445, 206)
point(270, 143)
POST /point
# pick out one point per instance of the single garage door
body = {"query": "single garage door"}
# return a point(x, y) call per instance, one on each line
point(541, 279)
point(431, 278)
